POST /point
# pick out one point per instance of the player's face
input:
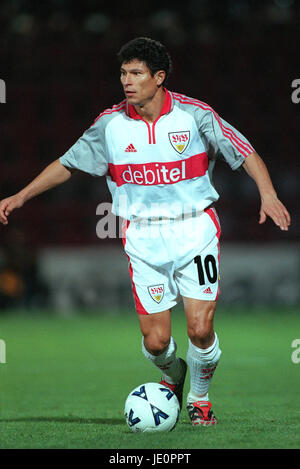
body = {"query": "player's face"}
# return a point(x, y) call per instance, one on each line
point(139, 85)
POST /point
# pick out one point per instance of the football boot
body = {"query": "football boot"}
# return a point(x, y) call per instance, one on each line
point(178, 387)
point(201, 413)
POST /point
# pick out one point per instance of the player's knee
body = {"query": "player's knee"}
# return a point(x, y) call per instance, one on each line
point(201, 332)
point(156, 343)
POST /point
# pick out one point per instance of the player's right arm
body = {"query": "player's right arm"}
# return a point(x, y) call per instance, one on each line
point(53, 175)
point(88, 154)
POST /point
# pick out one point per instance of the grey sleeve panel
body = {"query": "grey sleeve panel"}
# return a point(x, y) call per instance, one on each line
point(88, 153)
point(219, 137)
point(223, 137)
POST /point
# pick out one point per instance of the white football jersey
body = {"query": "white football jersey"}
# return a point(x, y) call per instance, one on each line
point(161, 169)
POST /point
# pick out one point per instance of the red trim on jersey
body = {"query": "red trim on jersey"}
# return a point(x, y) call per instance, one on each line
point(153, 131)
point(227, 132)
point(212, 213)
point(166, 107)
point(149, 130)
point(243, 147)
point(138, 305)
point(214, 216)
point(115, 108)
point(133, 114)
point(154, 173)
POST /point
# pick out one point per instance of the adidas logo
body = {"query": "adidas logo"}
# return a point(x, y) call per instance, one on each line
point(130, 148)
point(207, 290)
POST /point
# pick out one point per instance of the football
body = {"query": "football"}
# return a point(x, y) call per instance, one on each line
point(151, 407)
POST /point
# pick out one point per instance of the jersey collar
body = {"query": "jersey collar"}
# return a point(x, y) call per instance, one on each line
point(166, 108)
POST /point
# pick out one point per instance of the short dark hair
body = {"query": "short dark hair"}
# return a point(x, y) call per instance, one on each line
point(147, 50)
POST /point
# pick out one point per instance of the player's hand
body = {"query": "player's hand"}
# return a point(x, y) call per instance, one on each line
point(8, 205)
point(273, 208)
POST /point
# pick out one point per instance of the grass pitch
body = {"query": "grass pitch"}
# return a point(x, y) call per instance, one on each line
point(66, 380)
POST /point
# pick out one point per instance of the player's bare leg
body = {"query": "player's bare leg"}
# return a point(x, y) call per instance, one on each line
point(202, 357)
point(156, 330)
point(160, 348)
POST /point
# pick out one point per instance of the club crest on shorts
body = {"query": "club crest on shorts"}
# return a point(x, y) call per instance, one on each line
point(179, 140)
point(156, 292)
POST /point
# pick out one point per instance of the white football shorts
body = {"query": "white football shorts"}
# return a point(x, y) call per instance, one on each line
point(171, 259)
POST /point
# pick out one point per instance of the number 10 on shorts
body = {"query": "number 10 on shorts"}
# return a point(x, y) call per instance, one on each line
point(208, 267)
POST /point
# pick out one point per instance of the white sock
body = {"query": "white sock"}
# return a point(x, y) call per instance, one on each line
point(193, 397)
point(167, 362)
point(202, 364)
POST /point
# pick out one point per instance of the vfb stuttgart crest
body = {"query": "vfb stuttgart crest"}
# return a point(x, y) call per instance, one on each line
point(156, 292)
point(179, 140)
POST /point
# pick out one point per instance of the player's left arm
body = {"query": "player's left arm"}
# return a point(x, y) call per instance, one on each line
point(271, 206)
point(237, 151)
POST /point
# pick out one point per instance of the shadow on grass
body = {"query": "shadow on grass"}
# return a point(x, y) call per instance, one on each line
point(69, 419)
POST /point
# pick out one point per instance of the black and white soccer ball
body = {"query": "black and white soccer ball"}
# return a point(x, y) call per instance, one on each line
point(151, 407)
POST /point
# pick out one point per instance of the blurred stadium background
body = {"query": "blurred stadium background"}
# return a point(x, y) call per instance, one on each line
point(58, 60)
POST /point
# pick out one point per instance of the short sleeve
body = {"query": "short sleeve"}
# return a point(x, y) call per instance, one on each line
point(88, 153)
point(224, 138)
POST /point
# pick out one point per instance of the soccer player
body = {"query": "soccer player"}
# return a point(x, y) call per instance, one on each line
point(157, 149)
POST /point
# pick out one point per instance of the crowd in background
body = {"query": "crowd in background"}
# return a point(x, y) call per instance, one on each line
point(58, 59)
